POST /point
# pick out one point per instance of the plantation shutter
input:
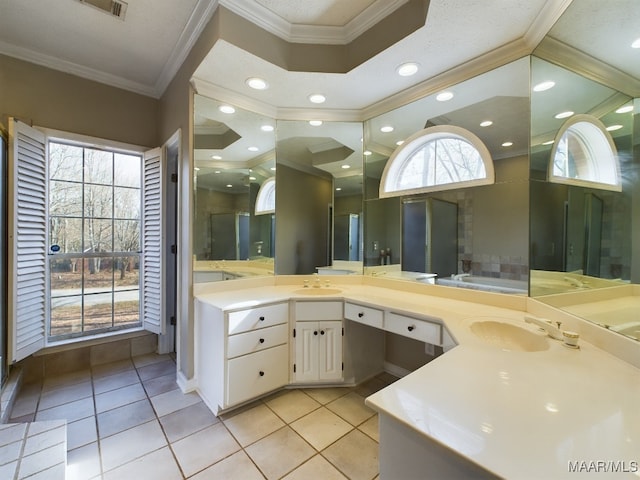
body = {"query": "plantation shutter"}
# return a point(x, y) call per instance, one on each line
point(27, 245)
point(153, 281)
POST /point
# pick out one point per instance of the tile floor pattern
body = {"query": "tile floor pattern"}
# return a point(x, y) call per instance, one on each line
point(129, 420)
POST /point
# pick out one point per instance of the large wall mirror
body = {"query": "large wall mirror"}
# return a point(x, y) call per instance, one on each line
point(473, 237)
point(319, 197)
point(234, 156)
point(585, 237)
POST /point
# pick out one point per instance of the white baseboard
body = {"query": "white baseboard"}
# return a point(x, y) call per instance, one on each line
point(395, 370)
point(186, 384)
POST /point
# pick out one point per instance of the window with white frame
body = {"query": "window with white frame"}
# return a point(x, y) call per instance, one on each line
point(86, 239)
point(94, 239)
point(437, 158)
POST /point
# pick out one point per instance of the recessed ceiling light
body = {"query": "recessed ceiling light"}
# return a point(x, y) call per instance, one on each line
point(217, 171)
point(636, 43)
point(613, 128)
point(625, 109)
point(229, 185)
point(315, 123)
point(548, 142)
point(216, 157)
point(338, 189)
point(444, 96)
point(256, 83)
point(267, 128)
point(196, 169)
point(542, 86)
point(317, 98)
point(399, 142)
point(366, 153)
point(386, 129)
point(486, 123)
point(346, 166)
point(227, 109)
point(407, 69)
point(564, 114)
point(253, 149)
point(507, 144)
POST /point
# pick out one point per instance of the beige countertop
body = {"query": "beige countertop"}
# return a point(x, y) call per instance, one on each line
point(517, 414)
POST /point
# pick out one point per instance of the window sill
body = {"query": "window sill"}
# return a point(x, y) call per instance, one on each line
point(73, 343)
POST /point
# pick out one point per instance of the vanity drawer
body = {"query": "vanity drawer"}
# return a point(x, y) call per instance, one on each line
point(361, 314)
point(255, 374)
point(314, 311)
point(259, 317)
point(418, 329)
point(256, 340)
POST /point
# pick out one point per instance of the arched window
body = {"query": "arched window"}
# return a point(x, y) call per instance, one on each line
point(266, 198)
point(437, 158)
point(584, 154)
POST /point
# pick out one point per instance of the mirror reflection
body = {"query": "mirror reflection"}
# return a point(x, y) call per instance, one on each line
point(234, 156)
point(319, 197)
point(450, 236)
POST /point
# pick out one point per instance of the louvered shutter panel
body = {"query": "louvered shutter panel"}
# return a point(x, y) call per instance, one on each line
point(153, 281)
point(27, 246)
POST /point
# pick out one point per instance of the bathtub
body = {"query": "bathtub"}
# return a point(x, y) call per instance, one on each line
point(489, 284)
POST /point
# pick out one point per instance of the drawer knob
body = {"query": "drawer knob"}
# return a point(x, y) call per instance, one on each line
point(361, 314)
point(321, 332)
point(262, 318)
point(315, 332)
point(262, 340)
point(410, 328)
point(261, 373)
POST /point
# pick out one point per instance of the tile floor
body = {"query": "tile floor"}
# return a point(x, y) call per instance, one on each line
point(129, 420)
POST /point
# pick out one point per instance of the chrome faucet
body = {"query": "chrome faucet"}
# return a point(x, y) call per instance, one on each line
point(459, 276)
point(552, 330)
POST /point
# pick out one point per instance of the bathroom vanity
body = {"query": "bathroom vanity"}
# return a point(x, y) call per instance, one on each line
point(504, 400)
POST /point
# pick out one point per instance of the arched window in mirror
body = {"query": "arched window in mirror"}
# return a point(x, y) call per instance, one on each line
point(266, 198)
point(437, 158)
point(584, 154)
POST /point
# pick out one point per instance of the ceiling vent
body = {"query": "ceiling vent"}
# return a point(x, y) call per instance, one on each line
point(115, 8)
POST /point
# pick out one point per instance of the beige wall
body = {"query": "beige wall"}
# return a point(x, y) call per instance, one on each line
point(49, 98)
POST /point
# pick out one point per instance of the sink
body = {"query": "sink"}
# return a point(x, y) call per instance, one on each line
point(318, 291)
point(509, 337)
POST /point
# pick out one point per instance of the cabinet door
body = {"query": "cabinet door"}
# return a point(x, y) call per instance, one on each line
point(330, 351)
point(307, 340)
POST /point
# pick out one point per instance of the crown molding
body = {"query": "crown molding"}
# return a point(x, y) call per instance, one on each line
point(208, 89)
point(199, 18)
point(560, 53)
point(548, 16)
point(312, 34)
point(65, 66)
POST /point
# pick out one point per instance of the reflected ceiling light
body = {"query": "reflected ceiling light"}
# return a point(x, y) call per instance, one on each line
point(196, 169)
point(542, 86)
point(366, 153)
point(317, 98)
point(315, 123)
point(636, 43)
point(507, 144)
point(399, 142)
point(273, 169)
point(486, 123)
point(257, 83)
point(226, 109)
point(613, 128)
point(346, 166)
point(386, 129)
point(407, 69)
point(267, 128)
point(549, 142)
point(444, 96)
point(338, 189)
point(217, 171)
point(625, 109)
point(253, 149)
point(216, 157)
point(551, 407)
point(229, 185)
point(564, 114)
point(252, 178)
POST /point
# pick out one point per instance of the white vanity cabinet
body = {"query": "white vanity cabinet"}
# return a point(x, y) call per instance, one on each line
point(317, 338)
point(413, 327)
point(241, 354)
